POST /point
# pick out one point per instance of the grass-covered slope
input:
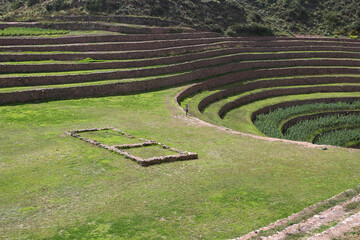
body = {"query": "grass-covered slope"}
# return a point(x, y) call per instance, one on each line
point(56, 187)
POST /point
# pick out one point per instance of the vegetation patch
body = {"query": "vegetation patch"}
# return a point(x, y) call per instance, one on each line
point(25, 31)
point(305, 130)
point(339, 137)
point(270, 124)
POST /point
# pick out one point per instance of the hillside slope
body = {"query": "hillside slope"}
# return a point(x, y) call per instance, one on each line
point(234, 17)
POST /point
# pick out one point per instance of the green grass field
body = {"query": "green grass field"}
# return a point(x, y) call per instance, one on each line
point(54, 186)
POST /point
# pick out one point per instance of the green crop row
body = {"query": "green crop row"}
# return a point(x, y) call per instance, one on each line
point(25, 31)
point(340, 137)
point(307, 129)
point(270, 123)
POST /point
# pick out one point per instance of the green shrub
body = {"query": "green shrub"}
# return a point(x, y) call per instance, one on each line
point(332, 21)
point(96, 5)
point(57, 5)
point(17, 4)
point(32, 2)
point(254, 17)
point(249, 29)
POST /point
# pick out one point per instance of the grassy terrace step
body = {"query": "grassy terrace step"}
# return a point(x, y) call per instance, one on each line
point(242, 118)
point(119, 88)
point(43, 66)
point(112, 55)
point(117, 46)
point(236, 77)
point(211, 55)
point(299, 42)
point(113, 46)
point(212, 110)
point(338, 84)
point(83, 38)
point(221, 66)
point(284, 91)
point(214, 52)
point(63, 55)
point(95, 83)
point(135, 37)
point(261, 94)
point(10, 40)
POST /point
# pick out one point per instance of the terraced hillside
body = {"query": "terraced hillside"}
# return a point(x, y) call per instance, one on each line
point(303, 89)
point(300, 89)
point(239, 77)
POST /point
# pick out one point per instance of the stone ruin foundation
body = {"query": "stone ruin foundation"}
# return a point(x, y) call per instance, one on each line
point(121, 149)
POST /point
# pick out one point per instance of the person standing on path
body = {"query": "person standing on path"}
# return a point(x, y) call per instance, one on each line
point(187, 109)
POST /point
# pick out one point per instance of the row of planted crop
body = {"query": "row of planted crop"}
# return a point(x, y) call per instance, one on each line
point(308, 130)
point(270, 123)
point(341, 137)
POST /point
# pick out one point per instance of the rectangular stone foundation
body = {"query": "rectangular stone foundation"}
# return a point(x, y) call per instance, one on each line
point(121, 149)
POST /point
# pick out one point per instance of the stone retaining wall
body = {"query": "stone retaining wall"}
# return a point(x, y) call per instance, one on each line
point(282, 92)
point(139, 86)
point(118, 46)
point(262, 73)
point(161, 52)
point(171, 43)
point(70, 39)
point(12, 68)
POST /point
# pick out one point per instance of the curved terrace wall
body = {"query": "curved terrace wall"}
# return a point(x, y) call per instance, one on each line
point(102, 38)
point(281, 92)
point(272, 83)
point(12, 68)
point(169, 43)
point(262, 73)
point(207, 72)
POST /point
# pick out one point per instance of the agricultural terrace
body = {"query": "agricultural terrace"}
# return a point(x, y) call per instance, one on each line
point(243, 95)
